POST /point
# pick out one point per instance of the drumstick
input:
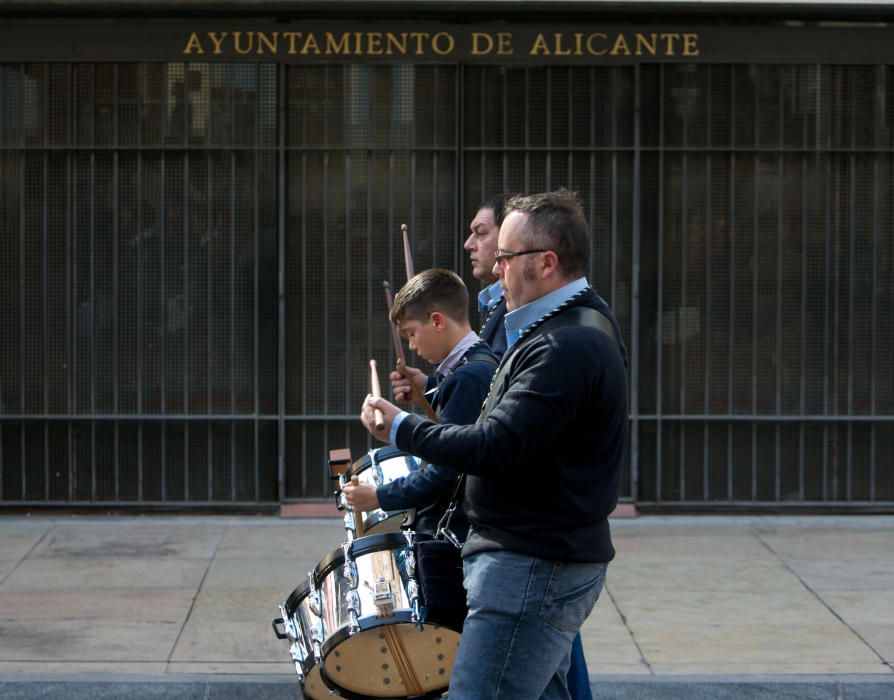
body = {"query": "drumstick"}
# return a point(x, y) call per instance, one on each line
point(408, 255)
point(377, 393)
point(358, 519)
point(401, 365)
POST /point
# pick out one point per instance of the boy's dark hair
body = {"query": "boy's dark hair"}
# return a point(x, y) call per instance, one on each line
point(497, 205)
point(556, 222)
point(432, 290)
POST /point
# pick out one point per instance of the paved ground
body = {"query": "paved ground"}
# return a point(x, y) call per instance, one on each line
point(159, 606)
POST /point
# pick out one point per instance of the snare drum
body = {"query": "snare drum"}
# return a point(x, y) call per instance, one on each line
point(377, 467)
point(373, 646)
point(301, 626)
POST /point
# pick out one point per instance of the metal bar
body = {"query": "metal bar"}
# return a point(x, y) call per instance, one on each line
point(635, 283)
point(732, 288)
point(163, 335)
point(755, 216)
point(592, 160)
point(209, 335)
point(527, 170)
point(684, 271)
point(802, 390)
point(852, 273)
point(233, 211)
point(139, 241)
point(780, 234)
point(549, 128)
point(313, 148)
point(304, 295)
point(186, 313)
point(250, 417)
point(614, 194)
point(659, 336)
point(709, 234)
point(873, 342)
point(71, 303)
point(255, 290)
point(826, 318)
point(93, 280)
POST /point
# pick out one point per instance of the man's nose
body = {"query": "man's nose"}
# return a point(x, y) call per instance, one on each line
point(467, 245)
point(497, 269)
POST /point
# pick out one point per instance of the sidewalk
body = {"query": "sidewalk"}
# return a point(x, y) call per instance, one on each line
point(720, 607)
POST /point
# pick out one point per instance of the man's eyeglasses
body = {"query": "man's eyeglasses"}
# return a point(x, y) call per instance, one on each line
point(502, 255)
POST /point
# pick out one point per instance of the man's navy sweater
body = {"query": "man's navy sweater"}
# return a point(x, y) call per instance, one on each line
point(544, 460)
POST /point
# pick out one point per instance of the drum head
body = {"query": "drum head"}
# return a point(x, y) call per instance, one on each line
point(313, 688)
point(392, 661)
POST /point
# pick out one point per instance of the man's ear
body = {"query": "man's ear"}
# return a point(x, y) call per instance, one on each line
point(438, 320)
point(550, 264)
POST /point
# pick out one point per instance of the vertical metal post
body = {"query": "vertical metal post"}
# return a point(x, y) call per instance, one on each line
point(635, 284)
point(282, 116)
point(659, 335)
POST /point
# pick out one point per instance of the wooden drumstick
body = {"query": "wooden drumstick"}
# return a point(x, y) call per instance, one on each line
point(377, 393)
point(408, 254)
point(358, 519)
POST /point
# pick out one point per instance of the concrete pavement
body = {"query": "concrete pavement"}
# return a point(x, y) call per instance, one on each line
point(161, 606)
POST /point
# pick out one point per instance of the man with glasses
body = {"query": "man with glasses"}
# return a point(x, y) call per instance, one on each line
point(543, 462)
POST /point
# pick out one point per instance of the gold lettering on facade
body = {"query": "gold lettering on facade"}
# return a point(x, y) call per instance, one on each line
point(217, 41)
point(593, 51)
point(643, 42)
point(669, 39)
point(477, 39)
point(310, 46)
point(271, 44)
point(540, 46)
point(374, 44)
point(377, 43)
point(620, 46)
point(443, 38)
point(292, 37)
point(559, 51)
point(193, 45)
point(237, 42)
point(504, 43)
point(396, 46)
point(337, 47)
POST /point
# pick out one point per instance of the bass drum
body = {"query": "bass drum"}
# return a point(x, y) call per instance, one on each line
point(377, 467)
point(300, 624)
point(371, 647)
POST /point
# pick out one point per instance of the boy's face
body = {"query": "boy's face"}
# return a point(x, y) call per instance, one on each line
point(426, 338)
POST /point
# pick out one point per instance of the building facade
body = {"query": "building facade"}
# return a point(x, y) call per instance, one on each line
point(197, 212)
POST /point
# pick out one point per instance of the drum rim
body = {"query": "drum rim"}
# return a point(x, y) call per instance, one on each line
point(297, 596)
point(366, 624)
point(303, 681)
point(367, 460)
point(360, 547)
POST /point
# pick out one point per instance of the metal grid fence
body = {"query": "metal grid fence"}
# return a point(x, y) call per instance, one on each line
point(193, 256)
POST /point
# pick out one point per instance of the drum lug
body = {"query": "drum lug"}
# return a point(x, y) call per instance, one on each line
point(352, 598)
point(349, 571)
point(383, 597)
point(378, 475)
point(279, 634)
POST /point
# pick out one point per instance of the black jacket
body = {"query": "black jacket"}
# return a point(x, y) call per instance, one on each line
point(493, 331)
point(545, 458)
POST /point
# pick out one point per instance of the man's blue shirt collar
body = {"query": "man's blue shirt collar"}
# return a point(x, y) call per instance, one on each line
point(489, 296)
point(517, 321)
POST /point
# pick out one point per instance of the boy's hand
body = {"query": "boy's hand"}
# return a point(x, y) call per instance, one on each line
point(400, 385)
point(361, 497)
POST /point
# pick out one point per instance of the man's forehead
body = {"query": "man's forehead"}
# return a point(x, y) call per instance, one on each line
point(484, 218)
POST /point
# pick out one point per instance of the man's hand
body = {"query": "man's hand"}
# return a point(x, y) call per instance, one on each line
point(361, 497)
point(367, 416)
point(400, 385)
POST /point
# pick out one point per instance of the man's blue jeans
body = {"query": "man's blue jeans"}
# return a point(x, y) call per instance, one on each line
point(523, 615)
